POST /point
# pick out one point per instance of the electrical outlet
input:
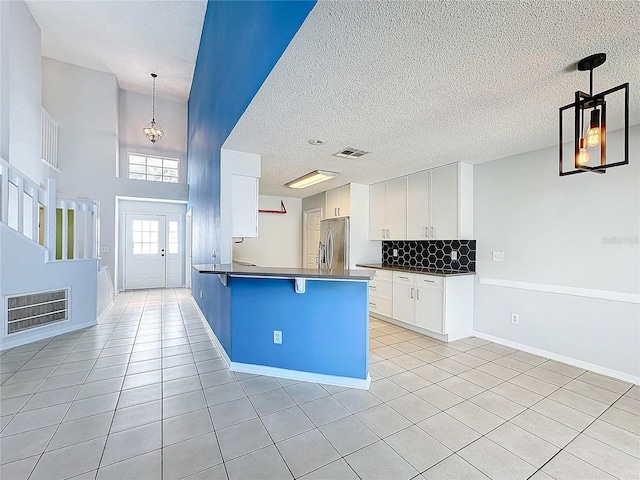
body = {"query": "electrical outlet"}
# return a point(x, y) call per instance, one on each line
point(498, 256)
point(515, 318)
point(395, 252)
point(454, 255)
point(277, 336)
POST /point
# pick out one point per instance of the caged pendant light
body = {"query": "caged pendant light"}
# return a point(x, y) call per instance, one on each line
point(589, 147)
point(153, 131)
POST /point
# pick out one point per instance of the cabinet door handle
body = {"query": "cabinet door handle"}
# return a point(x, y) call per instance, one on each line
point(412, 293)
point(372, 304)
point(433, 232)
point(426, 232)
point(418, 293)
point(404, 278)
point(338, 211)
point(372, 287)
point(388, 235)
point(429, 281)
point(383, 233)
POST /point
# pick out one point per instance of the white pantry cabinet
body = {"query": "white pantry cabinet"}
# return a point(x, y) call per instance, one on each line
point(387, 210)
point(338, 202)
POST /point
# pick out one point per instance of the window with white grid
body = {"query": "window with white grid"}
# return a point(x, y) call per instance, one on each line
point(145, 237)
point(153, 169)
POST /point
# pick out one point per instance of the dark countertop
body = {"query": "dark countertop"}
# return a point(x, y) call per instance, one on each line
point(238, 270)
point(420, 270)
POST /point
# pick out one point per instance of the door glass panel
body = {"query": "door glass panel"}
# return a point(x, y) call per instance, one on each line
point(145, 237)
point(173, 237)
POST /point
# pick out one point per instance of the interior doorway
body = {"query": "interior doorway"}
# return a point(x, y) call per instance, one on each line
point(154, 251)
point(311, 237)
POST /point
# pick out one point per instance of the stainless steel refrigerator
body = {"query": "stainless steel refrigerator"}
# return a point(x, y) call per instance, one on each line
point(334, 244)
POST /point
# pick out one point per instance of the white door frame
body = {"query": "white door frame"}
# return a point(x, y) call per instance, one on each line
point(305, 214)
point(120, 232)
point(188, 247)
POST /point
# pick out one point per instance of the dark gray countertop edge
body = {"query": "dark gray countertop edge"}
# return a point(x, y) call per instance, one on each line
point(277, 272)
point(424, 271)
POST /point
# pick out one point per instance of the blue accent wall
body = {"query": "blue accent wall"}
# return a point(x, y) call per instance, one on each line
point(240, 44)
point(324, 330)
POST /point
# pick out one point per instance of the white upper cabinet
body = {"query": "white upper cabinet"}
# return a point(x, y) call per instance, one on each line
point(387, 210)
point(244, 206)
point(440, 203)
point(444, 202)
point(338, 202)
point(377, 208)
point(418, 205)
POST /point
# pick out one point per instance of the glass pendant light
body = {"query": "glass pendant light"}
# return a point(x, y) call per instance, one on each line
point(153, 131)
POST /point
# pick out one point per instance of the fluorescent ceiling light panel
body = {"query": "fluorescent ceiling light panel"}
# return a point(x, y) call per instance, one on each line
point(312, 178)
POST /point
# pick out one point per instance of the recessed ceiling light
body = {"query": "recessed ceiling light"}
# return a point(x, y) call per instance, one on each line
point(315, 141)
point(312, 178)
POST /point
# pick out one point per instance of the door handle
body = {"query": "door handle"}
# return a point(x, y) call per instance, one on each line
point(335, 212)
point(383, 233)
point(338, 211)
point(426, 232)
point(163, 254)
point(411, 293)
point(404, 278)
point(418, 293)
point(433, 232)
point(388, 235)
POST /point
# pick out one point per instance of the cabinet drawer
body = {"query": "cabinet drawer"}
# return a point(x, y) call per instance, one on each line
point(430, 281)
point(385, 275)
point(380, 305)
point(404, 278)
point(380, 289)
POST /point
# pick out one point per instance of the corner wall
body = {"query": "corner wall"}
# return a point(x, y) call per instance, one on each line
point(579, 232)
point(240, 44)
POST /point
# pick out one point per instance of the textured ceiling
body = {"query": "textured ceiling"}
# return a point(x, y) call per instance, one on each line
point(420, 84)
point(130, 39)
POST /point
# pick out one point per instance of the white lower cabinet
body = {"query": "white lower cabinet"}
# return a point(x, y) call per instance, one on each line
point(380, 289)
point(433, 305)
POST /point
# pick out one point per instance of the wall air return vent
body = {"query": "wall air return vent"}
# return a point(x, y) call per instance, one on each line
point(36, 309)
point(350, 153)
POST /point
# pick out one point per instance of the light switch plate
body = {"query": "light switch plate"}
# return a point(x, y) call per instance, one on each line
point(454, 255)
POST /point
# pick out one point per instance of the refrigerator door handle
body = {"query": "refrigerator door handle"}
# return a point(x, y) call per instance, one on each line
point(329, 250)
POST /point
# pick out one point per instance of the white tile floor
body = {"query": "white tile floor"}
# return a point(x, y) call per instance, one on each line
point(145, 395)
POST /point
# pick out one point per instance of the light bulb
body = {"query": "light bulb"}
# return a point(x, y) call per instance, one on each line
point(583, 156)
point(593, 134)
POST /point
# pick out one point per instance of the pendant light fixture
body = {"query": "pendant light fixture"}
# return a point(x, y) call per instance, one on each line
point(153, 131)
point(589, 146)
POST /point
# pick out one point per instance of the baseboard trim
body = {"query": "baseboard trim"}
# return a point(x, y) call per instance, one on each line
point(42, 335)
point(625, 377)
point(105, 311)
point(282, 372)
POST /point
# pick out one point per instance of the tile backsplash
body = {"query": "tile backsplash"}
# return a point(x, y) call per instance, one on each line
point(430, 254)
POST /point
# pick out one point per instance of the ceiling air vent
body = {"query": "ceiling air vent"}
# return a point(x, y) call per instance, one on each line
point(350, 153)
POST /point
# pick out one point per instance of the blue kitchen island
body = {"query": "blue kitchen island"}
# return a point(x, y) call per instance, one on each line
point(321, 319)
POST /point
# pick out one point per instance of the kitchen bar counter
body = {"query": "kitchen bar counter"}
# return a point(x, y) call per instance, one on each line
point(421, 270)
point(239, 270)
point(291, 323)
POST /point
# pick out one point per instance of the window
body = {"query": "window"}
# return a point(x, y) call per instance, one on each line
point(153, 169)
point(145, 237)
point(173, 237)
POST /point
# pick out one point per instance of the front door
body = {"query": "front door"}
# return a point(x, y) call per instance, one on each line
point(311, 238)
point(145, 262)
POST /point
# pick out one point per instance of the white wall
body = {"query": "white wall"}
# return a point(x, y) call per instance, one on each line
point(20, 139)
point(279, 242)
point(125, 206)
point(17, 274)
point(315, 201)
point(85, 102)
point(562, 231)
point(135, 113)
